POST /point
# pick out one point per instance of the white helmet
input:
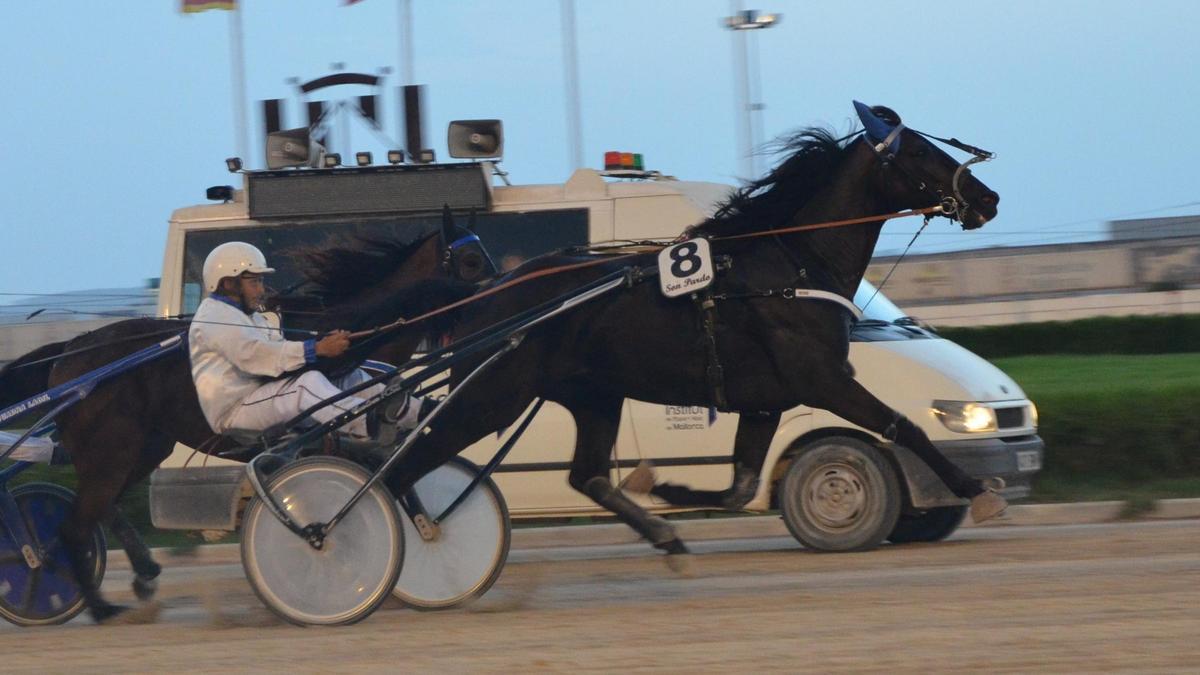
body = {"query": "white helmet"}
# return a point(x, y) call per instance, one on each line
point(230, 260)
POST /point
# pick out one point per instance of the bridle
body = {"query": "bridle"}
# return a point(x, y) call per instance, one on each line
point(953, 206)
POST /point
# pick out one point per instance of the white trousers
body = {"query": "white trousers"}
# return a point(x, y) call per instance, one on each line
point(280, 400)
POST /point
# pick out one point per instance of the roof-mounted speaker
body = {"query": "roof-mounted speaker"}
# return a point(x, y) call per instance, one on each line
point(476, 139)
point(293, 147)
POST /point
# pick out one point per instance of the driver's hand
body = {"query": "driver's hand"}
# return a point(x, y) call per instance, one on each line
point(333, 344)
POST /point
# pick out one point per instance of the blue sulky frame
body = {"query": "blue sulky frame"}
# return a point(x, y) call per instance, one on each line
point(35, 549)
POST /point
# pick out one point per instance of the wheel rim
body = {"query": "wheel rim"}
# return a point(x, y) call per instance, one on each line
point(836, 497)
point(472, 544)
point(47, 594)
point(354, 570)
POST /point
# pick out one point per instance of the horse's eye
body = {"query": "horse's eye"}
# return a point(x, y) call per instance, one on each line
point(470, 266)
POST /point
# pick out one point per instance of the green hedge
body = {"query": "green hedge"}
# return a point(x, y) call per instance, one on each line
point(1125, 421)
point(1123, 436)
point(1102, 335)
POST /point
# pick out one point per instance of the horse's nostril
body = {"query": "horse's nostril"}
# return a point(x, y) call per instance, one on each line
point(991, 198)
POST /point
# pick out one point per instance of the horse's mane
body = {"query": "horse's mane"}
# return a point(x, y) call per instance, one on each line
point(346, 266)
point(815, 156)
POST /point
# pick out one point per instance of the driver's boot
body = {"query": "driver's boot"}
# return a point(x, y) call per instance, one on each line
point(392, 418)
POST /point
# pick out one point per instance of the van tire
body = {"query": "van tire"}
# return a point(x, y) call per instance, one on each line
point(931, 525)
point(840, 494)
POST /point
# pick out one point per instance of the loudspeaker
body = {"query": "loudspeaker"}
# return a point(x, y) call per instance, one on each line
point(293, 147)
point(476, 139)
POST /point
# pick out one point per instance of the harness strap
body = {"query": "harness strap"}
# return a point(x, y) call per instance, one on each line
point(714, 374)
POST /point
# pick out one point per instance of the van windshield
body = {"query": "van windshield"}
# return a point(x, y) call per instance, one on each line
point(880, 309)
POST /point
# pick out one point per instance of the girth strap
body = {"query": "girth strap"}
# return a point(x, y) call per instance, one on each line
point(796, 294)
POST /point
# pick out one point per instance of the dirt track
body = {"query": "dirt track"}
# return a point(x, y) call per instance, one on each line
point(1085, 598)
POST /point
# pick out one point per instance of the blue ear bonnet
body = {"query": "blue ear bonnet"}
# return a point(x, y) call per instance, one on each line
point(877, 129)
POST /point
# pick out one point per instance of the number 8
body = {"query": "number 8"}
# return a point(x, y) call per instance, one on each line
point(684, 256)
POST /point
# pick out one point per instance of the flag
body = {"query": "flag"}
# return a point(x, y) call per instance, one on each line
point(193, 6)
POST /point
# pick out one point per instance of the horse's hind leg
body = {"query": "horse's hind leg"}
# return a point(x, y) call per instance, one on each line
point(145, 581)
point(106, 457)
point(596, 421)
point(754, 433)
point(145, 570)
point(93, 502)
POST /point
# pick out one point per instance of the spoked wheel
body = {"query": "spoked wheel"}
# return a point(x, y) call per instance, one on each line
point(470, 547)
point(356, 567)
point(45, 593)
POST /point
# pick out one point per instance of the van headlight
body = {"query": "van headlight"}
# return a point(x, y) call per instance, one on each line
point(965, 417)
point(1033, 415)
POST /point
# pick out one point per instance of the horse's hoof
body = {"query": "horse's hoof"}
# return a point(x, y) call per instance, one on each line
point(144, 588)
point(640, 480)
point(119, 615)
point(987, 505)
point(681, 564)
point(105, 612)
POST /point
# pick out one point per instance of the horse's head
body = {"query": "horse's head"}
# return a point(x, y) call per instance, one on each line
point(463, 255)
point(918, 174)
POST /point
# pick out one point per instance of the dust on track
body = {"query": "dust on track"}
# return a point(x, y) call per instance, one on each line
point(1106, 598)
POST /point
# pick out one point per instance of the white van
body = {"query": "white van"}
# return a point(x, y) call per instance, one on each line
point(838, 486)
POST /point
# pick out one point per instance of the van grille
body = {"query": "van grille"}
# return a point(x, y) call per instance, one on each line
point(1010, 418)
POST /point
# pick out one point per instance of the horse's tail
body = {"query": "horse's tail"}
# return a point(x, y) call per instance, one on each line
point(29, 375)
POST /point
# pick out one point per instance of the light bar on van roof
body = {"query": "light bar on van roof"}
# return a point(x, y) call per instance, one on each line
point(386, 189)
point(615, 161)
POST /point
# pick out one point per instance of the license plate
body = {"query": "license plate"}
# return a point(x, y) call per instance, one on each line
point(1029, 460)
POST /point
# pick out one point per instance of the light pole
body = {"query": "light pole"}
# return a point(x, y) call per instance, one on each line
point(746, 72)
point(571, 77)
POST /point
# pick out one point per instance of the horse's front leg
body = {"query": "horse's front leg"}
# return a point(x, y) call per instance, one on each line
point(754, 433)
point(843, 396)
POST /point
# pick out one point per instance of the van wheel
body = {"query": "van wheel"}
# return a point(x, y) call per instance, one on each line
point(932, 525)
point(840, 494)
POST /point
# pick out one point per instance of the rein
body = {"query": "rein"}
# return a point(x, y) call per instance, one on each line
point(398, 323)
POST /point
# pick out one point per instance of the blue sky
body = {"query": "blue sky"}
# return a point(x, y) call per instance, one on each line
point(117, 113)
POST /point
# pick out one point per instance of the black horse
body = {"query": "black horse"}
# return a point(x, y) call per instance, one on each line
point(128, 426)
point(773, 353)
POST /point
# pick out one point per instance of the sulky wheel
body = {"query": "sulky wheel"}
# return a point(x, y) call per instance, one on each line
point(840, 494)
point(45, 593)
point(358, 562)
point(468, 549)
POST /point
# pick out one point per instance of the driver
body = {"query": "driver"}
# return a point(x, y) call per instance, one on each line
point(238, 353)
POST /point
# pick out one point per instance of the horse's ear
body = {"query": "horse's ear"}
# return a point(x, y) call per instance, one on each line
point(877, 127)
point(447, 225)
